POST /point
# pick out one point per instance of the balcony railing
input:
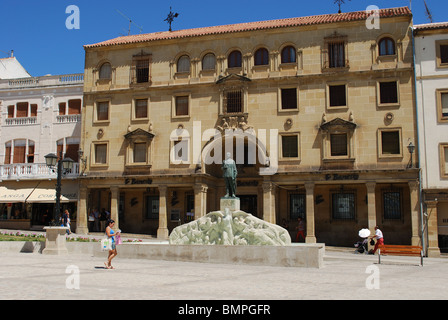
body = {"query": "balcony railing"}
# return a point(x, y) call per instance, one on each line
point(70, 118)
point(58, 80)
point(33, 171)
point(20, 121)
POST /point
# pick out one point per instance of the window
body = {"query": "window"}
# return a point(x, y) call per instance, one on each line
point(391, 204)
point(8, 152)
point(181, 151)
point(141, 108)
point(72, 148)
point(22, 110)
point(234, 59)
point(105, 71)
point(152, 207)
point(297, 205)
point(19, 151)
point(290, 146)
point(343, 205)
point(386, 47)
point(388, 92)
point(444, 160)
point(33, 109)
point(102, 111)
point(74, 106)
point(390, 142)
point(337, 95)
point(338, 144)
point(140, 70)
point(62, 107)
point(209, 62)
point(442, 105)
point(336, 54)
point(289, 99)
point(140, 152)
point(11, 110)
point(234, 101)
point(100, 153)
point(261, 57)
point(442, 53)
point(183, 64)
point(289, 54)
point(181, 106)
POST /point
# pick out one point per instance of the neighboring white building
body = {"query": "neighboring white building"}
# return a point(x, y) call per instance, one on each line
point(431, 72)
point(39, 115)
point(10, 68)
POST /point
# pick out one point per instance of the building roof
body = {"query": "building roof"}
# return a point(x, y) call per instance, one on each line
point(10, 68)
point(252, 26)
point(430, 26)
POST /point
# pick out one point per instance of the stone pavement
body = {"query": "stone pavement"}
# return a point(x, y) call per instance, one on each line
point(79, 277)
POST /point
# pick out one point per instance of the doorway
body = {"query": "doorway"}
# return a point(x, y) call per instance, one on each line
point(248, 203)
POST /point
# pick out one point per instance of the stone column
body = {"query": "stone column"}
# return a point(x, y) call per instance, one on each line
point(81, 219)
point(162, 232)
point(371, 206)
point(115, 194)
point(310, 224)
point(268, 202)
point(433, 241)
point(200, 200)
point(415, 209)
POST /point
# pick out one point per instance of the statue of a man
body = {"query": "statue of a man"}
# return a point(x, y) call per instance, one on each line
point(230, 173)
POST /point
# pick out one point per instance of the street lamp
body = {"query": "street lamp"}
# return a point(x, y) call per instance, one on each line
point(67, 164)
point(411, 149)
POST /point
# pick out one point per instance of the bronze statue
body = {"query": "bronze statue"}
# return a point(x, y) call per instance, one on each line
point(229, 174)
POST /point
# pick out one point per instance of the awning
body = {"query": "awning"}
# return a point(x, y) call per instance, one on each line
point(69, 193)
point(8, 195)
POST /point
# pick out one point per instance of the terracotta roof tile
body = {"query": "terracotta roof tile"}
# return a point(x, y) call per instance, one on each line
point(430, 26)
point(251, 26)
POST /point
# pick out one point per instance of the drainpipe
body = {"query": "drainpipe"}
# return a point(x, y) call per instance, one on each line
point(419, 146)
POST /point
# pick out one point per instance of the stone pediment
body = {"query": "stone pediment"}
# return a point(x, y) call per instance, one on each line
point(338, 123)
point(139, 133)
point(232, 77)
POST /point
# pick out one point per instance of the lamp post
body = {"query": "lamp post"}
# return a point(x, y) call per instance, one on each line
point(411, 149)
point(66, 164)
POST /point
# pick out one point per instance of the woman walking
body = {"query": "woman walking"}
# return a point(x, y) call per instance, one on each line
point(111, 235)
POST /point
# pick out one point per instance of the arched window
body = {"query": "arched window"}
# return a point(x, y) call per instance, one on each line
point(386, 47)
point(209, 62)
point(261, 57)
point(234, 59)
point(105, 71)
point(289, 54)
point(183, 64)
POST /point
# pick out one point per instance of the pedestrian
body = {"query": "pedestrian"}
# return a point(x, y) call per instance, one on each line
point(379, 238)
point(91, 221)
point(300, 229)
point(111, 235)
point(67, 221)
point(104, 216)
point(96, 216)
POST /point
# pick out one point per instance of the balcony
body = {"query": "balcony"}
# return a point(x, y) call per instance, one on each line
point(44, 81)
point(31, 171)
point(22, 121)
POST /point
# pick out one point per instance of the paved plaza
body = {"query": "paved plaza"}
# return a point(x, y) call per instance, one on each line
point(345, 275)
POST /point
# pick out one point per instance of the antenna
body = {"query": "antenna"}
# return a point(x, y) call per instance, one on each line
point(131, 22)
point(428, 12)
point(171, 17)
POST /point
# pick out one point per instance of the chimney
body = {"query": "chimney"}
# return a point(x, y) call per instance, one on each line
point(12, 53)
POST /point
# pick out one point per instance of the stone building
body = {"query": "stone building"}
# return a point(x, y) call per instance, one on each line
point(317, 111)
point(431, 71)
point(39, 115)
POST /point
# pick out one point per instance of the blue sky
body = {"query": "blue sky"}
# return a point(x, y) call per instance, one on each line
point(36, 30)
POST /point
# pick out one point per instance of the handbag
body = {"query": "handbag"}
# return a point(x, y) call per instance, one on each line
point(372, 242)
point(106, 244)
point(118, 239)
